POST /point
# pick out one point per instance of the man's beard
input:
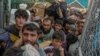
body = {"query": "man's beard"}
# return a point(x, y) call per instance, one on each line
point(28, 42)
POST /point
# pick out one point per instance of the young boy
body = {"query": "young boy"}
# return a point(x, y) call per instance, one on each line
point(58, 26)
point(56, 49)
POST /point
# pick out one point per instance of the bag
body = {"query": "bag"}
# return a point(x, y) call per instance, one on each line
point(29, 50)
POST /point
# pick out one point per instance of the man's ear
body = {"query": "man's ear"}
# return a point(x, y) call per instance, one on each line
point(18, 43)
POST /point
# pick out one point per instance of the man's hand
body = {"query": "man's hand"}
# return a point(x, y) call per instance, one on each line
point(61, 51)
point(18, 43)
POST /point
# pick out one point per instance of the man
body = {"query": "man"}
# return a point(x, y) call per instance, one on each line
point(25, 46)
point(21, 17)
point(22, 6)
point(46, 30)
point(72, 44)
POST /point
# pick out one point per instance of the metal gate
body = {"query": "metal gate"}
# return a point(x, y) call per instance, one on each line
point(90, 39)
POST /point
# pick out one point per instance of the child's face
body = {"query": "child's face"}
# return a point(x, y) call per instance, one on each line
point(56, 43)
point(58, 27)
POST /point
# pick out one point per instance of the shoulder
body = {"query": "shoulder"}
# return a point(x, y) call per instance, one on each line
point(10, 27)
point(11, 52)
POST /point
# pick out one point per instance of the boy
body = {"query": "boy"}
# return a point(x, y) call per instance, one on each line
point(56, 49)
point(58, 26)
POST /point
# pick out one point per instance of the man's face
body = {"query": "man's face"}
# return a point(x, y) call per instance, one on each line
point(29, 36)
point(20, 21)
point(56, 43)
point(47, 25)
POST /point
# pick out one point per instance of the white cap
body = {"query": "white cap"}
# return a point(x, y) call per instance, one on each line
point(23, 6)
point(35, 23)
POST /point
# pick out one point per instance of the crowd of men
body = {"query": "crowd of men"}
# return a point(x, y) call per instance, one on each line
point(56, 34)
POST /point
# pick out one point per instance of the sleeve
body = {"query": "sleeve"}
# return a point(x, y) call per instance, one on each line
point(13, 52)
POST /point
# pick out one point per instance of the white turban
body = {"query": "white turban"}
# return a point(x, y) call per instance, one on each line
point(23, 6)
